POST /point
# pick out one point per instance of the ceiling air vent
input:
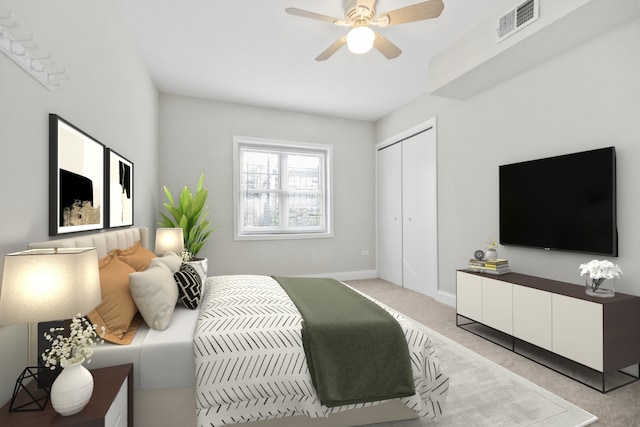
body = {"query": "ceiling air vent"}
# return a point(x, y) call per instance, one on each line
point(518, 18)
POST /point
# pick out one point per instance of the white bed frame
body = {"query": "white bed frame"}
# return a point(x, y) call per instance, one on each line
point(170, 407)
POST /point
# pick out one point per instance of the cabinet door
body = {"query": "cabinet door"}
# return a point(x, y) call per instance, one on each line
point(577, 330)
point(117, 414)
point(419, 212)
point(532, 316)
point(390, 214)
point(497, 305)
point(469, 295)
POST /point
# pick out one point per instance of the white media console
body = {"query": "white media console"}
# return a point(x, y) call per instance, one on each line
point(602, 334)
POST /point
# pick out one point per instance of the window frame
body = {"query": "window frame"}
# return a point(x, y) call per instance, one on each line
point(282, 146)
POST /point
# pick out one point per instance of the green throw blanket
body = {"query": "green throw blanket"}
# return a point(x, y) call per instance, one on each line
point(355, 350)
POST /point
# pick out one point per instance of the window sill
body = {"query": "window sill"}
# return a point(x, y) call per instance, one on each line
point(283, 236)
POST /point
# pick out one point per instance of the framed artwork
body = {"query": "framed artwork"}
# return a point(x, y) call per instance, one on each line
point(120, 196)
point(76, 179)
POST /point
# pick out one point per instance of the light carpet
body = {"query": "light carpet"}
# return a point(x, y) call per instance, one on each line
point(483, 393)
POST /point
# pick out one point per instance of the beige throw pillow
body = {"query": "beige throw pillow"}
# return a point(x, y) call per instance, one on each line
point(171, 260)
point(155, 293)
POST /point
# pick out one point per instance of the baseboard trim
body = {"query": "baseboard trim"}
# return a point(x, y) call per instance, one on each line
point(441, 296)
point(446, 298)
point(347, 275)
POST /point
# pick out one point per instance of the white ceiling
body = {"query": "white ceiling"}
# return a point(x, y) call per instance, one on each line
point(251, 52)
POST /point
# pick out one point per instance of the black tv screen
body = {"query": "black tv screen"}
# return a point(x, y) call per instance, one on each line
point(565, 203)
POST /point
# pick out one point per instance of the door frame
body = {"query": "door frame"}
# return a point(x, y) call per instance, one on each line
point(431, 123)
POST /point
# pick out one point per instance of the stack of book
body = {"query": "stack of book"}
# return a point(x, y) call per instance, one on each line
point(497, 266)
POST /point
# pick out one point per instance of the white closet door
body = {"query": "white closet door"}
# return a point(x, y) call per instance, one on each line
point(419, 207)
point(390, 214)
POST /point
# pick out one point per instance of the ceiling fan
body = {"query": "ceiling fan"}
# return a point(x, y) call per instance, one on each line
point(360, 15)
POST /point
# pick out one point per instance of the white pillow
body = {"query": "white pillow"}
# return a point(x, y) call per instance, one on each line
point(155, 293)
point(171, 260)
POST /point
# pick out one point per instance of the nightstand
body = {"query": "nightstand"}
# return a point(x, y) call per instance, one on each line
point(111, 404)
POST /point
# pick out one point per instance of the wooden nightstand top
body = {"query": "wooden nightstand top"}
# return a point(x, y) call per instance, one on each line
point(107, 383)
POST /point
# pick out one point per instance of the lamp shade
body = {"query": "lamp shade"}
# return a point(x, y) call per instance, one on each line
point(169, 239)
point(40, 285)
point(360, 39)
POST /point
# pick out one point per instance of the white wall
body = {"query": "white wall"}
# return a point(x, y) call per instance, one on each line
point(197, 135)
point(586, 98)
point(108, 94)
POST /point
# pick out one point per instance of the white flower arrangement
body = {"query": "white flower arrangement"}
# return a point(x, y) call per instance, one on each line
point(186, 256)
point(83, 336)
point(491, 243)
point(599, 271)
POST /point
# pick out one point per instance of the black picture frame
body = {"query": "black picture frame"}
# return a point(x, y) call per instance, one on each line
point(76, 179)
point(120, 184)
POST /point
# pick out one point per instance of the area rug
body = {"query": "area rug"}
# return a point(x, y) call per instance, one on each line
point(483, 393)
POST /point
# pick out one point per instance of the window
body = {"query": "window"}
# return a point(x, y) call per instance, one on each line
point(281, 189)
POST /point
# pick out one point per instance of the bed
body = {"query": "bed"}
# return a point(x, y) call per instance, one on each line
point(167, 378)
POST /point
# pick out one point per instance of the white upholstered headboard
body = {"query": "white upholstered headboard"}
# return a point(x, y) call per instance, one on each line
point(104, 242)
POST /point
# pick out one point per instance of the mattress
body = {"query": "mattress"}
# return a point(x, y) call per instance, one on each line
point(161, 359)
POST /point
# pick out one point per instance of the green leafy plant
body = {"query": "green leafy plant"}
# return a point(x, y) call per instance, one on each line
point(190, 214)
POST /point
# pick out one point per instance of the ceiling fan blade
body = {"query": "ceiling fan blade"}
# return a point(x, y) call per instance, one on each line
point(417, 12)
point(332, 49)
point(312, 15)
point(388, 49)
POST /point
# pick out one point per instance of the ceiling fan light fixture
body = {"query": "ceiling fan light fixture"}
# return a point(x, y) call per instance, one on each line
point(360, 39)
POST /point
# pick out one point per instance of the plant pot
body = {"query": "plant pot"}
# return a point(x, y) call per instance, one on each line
point(72, 390)
point(200, 265)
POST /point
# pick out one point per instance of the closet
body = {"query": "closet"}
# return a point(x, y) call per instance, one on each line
point(407, 212)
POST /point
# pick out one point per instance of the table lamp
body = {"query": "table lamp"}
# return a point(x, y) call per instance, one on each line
point(169, 239)
point(42, 285)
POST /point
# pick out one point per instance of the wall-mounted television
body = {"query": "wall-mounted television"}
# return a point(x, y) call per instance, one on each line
point(565, 203)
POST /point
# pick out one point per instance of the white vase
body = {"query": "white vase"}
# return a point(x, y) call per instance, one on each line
point(200, 265)
point(600, 288)
point(492, 254)
point(72, 390)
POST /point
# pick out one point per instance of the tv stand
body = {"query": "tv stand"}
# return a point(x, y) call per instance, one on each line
point(555, 324)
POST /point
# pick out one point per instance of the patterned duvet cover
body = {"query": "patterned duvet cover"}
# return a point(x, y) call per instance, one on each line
point(250, 362)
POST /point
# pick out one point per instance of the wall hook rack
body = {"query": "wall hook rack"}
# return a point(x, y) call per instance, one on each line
point(18, 50)
point(7, 20)
point(44, 59)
